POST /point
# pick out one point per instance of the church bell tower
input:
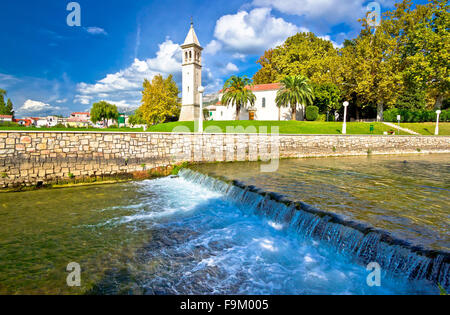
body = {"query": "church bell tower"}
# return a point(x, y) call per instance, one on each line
point(192, 76)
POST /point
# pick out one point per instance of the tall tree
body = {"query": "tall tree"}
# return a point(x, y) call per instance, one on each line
point(370, 69)
point(160, 100)
point(137, 118)
point(423, 40)
point(236, 92)
point(10, 108)
point(295, 91)
point(327, 97)
point(268, 73)
point(103, 111)
point(2, 102)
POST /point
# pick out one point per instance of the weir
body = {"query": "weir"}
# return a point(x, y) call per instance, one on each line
point(362, 242)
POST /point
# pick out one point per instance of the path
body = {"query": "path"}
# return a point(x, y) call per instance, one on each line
point(401, 128)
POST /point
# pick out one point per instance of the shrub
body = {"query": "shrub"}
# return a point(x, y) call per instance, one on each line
point(415, 116)
point(312, 113)
point(322, 117)
point(9, 124)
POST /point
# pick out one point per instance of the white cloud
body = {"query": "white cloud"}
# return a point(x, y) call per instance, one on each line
point(327, 37)
point(124, 87)
point(239, 56)
point(31, 107)
point(231, 67)
point(253, 32)
point(322, 12)
point(213, 47)
point(94, 30)
point(6, 80)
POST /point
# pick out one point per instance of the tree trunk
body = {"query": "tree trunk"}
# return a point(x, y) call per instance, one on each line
point(380, 109)
point(279, 113)
point(439, 100)
point(238, 111)
point(294, 113)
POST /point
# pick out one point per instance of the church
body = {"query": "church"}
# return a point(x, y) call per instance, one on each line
point(264, 108)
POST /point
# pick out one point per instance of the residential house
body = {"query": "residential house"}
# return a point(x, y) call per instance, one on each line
point(79, 120)
point(6, 118)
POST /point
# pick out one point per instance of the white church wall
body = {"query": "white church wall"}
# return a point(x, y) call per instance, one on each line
point(266, 109)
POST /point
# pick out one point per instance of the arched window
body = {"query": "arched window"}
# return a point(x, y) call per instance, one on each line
point(264, 102)
point(190, 55)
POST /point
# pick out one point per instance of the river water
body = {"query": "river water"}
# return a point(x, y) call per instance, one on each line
point(179, 236)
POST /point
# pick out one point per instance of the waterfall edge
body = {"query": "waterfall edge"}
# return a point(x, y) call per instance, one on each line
point(361, 241)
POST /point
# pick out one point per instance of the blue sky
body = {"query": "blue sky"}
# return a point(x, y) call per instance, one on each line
point(48, 67)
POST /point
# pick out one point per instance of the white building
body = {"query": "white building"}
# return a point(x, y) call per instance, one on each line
point(265, 107)
point(6, 118)
point(192, 76)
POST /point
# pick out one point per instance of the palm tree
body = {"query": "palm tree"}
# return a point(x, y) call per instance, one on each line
point(296, 90)
point(236, 92)
point(3, 92)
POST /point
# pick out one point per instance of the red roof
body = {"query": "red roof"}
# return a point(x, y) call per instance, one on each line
point(26, 121)
point(265, 87)
point(262, 87)
point(88, 114)
point(5, 116)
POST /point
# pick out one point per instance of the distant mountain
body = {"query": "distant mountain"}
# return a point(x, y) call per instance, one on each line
point(210, 99)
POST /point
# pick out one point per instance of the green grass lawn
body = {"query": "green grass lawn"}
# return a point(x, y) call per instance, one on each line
point(427, 129)
point(244, 126)
point(285, 127)
point(25, 129)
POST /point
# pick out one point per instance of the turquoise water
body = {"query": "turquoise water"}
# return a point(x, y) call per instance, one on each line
point(167, 236)
point(407, 196)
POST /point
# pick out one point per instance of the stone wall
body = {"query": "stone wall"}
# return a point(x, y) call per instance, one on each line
point(30, 158)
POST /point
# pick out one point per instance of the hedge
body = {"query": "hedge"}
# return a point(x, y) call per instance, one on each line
point(312, 113)
point(413, 116)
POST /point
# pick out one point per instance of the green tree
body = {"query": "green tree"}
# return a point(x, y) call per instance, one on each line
point(2, 102)
point(9, 108)
point(137, 118)
point(423, 43)
point(302, 54)
point(160, 100)
point(103, 111)
point(236, 92)
point(267, 73)
point(308, 55)
point(295, 91)
point(327, 97)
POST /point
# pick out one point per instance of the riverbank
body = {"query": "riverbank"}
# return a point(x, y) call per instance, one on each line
point(46, 158)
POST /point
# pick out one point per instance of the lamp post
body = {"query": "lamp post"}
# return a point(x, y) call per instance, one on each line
point(201, 89)
point(436, 132)
point(344, 127)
